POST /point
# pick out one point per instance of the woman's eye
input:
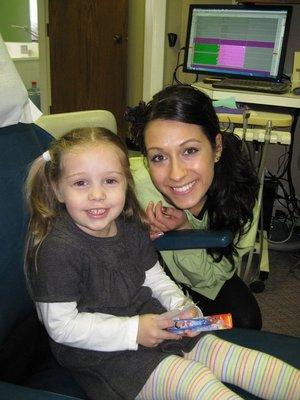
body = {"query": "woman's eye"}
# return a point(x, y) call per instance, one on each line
point(157, 158)
point(191, 150)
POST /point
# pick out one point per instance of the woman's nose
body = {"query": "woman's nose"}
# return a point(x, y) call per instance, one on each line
point(96, 193)
point(177, 170)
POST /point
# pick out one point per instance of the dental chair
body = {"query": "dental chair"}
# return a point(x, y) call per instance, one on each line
point(59, 124)
point(27, 368)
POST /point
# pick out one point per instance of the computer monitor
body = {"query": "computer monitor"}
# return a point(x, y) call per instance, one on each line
point(237, 41)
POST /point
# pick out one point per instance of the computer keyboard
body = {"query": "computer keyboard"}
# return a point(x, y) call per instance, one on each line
point(252, 85)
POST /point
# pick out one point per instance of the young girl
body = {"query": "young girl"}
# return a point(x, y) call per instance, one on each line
point(100, 291)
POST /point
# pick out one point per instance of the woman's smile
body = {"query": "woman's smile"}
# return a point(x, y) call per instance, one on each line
point(184, 189)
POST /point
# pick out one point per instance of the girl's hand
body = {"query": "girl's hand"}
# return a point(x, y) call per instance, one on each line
point(163, 219)
point(152, 330)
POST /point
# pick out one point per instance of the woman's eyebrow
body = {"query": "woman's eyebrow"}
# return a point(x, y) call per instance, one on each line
point(190, 140)
point(154, 148)
point(181, 144)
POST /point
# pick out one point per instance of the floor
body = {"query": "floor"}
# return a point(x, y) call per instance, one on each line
point(280, 300)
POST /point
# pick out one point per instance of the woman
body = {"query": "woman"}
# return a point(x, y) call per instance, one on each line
point(201, 179)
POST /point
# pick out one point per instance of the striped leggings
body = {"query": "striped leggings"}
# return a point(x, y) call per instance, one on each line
point(198, 374)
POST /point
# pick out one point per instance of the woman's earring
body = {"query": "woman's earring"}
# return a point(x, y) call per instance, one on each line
point(217, 158)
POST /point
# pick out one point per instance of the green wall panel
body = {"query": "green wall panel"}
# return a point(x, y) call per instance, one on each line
point(14, 12)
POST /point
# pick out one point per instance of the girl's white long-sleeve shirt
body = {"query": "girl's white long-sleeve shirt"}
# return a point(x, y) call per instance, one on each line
point(105, 332)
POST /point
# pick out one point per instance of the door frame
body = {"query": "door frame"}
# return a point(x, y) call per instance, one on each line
point(154, 47)
point(154, 44)
point(44, 56)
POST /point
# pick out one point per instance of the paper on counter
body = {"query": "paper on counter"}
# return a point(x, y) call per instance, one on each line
point(228, 102)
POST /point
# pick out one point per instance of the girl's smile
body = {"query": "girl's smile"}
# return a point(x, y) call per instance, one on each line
point(97, 212)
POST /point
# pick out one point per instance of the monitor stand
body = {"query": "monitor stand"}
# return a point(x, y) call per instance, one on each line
point(211, 80)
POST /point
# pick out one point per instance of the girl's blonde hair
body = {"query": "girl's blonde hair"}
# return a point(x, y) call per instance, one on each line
point(42, 202)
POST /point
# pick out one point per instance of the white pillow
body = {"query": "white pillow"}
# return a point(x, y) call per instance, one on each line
point(15, 105)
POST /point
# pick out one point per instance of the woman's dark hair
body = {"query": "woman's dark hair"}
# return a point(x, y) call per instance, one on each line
point(233, 193)
point(181, 103)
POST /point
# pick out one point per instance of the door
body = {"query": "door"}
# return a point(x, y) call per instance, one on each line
point(88, 55)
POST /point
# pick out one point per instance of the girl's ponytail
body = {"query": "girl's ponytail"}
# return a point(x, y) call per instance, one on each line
point(42, 204)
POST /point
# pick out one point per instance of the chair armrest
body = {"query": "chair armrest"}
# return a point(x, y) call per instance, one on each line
point(9, 391)
point(192, 239)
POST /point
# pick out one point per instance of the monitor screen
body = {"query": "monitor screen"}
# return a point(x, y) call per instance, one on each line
point(237, 41)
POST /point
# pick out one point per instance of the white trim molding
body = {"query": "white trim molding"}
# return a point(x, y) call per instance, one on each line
point(154, 44)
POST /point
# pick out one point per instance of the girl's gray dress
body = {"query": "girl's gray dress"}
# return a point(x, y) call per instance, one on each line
point(102, 275)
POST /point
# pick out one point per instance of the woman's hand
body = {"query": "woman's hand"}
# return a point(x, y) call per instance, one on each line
point(190, 312)
point(152, 330)
point(163, 219)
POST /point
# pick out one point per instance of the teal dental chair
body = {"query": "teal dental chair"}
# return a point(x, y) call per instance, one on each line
point(27, 369)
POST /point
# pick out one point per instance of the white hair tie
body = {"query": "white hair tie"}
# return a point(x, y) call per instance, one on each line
point(46, 156)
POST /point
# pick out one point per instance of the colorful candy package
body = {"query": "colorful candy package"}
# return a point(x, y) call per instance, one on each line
point(208, 323)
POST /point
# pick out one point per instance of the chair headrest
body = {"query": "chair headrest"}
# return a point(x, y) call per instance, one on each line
point(15, 105)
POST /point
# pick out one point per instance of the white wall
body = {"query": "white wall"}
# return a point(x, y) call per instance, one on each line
point(25, 56)
point(28, 70)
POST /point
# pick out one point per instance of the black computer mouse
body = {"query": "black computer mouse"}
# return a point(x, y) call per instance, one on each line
point(296, 91)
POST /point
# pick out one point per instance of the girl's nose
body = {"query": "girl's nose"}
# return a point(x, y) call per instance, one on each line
point(96, 193)
point(177, 170)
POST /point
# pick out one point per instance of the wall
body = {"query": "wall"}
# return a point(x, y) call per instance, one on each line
point(277, 151)
point(294, 40)
point(14, 12)
point(135, 49)
point(173, 25)
point(25, 56)
point(22, 50)
point(28, 70)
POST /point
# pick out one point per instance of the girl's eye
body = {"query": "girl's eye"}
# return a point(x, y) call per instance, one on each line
point(111, 181)
point(157, 158)
point(80, 183)
point(190, 150)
